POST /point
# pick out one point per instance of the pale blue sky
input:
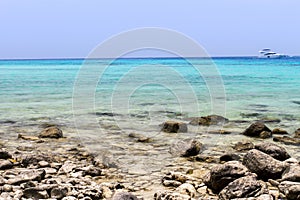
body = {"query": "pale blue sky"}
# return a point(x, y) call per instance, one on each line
point(72, 28)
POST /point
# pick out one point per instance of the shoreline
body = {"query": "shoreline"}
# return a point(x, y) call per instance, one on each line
point(134, 178)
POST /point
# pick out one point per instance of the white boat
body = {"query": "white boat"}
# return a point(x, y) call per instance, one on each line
point(268, 53)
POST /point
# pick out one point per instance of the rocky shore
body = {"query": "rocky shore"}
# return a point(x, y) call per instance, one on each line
point(48, 165)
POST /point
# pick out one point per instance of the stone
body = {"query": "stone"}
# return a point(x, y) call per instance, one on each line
point(29, 137)
point(187, 189)
point(255, 130)
point(35, 194)
point(67, 167)
point(92, 171)
point(167, 195)
point(5, 154)
point(247, 186)
point(290, 189)
point(51, 132)
point(221, 175)
point(265, 135)
point(58, 192)
point(34, 159)
point(229, 157)
point(27, 175)
point(175, 176)
point(174, 127)
point(209, 120)
point(124, 196)
point(5, 164)
point(279, 131)
point(287, 140)
point(265, 166)
point(69, 198)
point(244, 146)
point(186, 148)
point(297, 133)
point(273, 150)
point(292, 173)
point(43, 163)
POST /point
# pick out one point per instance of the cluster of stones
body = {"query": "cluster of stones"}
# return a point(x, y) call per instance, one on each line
point(74, 174)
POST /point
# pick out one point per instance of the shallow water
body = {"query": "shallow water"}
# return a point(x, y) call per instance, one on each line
point(101, 102)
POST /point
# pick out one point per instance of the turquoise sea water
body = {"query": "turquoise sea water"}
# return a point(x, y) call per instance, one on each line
point(44, 88)
point(101, 102)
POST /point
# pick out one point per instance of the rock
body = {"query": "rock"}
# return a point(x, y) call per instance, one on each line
point(92, 171)
point(43, 163)
point(292, 173)
point(51, 132)
point(243, 146)
point(297, 133)
point(67, 167)
point(209, 120)
point(35, 194)
point(34, 159)
point(186, 148)
point(5, 154)
point(174, 179)
point(221, 132)
point(255, 130)
point(265, 166)
point(5, 164)
point(69, 198)
point(206, 158)
point(287, 140)
point(220, 176)
point(290, 189)
point(58, 192)
point(140, 138)
point(27, 175)
point(229, 157)
point(29, 137)
point(247, 186)
point(124, 196)
point(174, 127)
point(273, 150)
point(7, 188)
point(265, 134)
point(187, 189)
point(166, 195)
point(279, 131)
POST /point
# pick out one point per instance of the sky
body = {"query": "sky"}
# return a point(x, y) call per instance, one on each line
point(73, 28)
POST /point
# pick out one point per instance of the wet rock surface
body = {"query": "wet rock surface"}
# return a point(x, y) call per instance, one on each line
point(258, 129)
point(209, 120)
point(174, 127)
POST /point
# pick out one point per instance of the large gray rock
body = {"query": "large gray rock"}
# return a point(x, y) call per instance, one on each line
point(247, 186)
point(257, 129)
point(209, 120)
point(290, 189)
point(124, 196)
point(174, 127)
point(51, 132)
point(265, 166)
point(292, 173)
point(273, 150)
point(186, 148)
point(220, 176)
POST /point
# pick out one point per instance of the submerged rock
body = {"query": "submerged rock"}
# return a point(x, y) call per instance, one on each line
point(257, 129)
point(174, 127)
point(273, 150)
point(209, 120)
point(186, 148)
point(279, 131)
point(220, 176)
point(265, 166)
point(287, 140)
point(51, 132)
point(297, 133)
point(4, 154)
point(243, 187)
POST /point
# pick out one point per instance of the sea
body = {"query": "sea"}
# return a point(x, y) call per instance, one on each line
point(102, 101)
